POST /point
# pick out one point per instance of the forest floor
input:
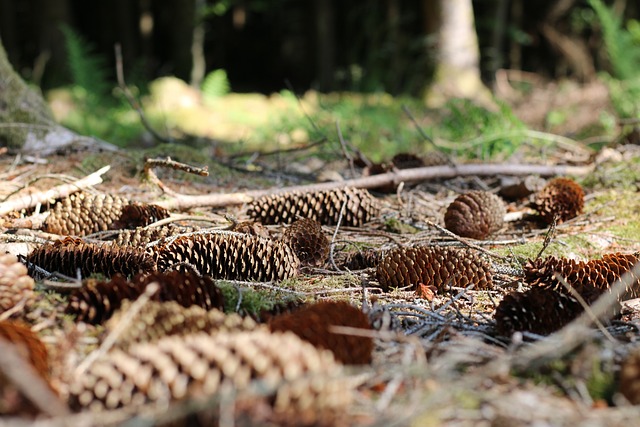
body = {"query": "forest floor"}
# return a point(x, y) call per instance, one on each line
point(438, 359)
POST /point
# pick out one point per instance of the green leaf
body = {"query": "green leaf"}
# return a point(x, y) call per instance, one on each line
point(215, 85)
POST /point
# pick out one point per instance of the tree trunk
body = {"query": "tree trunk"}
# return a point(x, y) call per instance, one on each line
point(458, 57)
point(26, 123)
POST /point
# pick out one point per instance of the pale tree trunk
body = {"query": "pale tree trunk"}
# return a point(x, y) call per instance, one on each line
point(26, 123)
point(457, 73)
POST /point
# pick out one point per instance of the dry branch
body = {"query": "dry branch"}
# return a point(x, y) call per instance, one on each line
point(390, 178)
point(31, 200)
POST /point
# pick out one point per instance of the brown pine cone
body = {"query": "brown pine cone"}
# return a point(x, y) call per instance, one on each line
point(158, 319)
point(322, 206)
point(539, 310)
point(313, 323)
point(433, 266)
point(582, 276)
point(308, 241)
point(70, 255)
point(229, 255)
point(561, 198)
point(81, 214)
point(15, 283)
point(96, 301)
point(630, 378)
point(302, 379)
point(367, 258)
point(139, 215)
point(29, 347)
point(476, 214)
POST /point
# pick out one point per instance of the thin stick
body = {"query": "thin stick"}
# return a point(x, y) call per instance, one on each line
point(133, 102)
point(184, 201)
point(115, 333)
point(343, 145)
point(172, 164)
point(335, 233)
point(24, 376)
point(548, 237)
point(31, 200)
point(465, 241)
point(584, 305)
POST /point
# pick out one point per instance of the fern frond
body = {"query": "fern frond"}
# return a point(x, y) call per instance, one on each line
point(88, 69)
point(215, 85)
point(623, 52)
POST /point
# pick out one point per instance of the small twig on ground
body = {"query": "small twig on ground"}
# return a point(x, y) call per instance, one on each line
point(133, 102)
point(425, 136)
point(183, 201)
point(148, 172)
point(115, 333)
point(345, 152)
point(584, 305)
point(466, 242)
point(335, 233)
point(548, 237)
point(24, 376)
point(31, 200)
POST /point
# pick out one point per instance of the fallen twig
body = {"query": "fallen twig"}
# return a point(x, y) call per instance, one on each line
point(184, 201)
point(31, 200)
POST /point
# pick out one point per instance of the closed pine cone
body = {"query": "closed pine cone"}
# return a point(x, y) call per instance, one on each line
point(323, 206)
point(433, 266)
point(306, 238)
point(561, 198)
point(229, 255)
point(15, 283)
point(476, 214)
point(313, 323)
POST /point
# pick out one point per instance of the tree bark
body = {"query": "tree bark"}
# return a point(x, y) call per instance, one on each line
point(458, 57)
point(26, 123)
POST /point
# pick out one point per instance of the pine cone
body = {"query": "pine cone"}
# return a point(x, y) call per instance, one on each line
point(139, 215)
point(367, 258)
point(561, 198)
point(630, 378)
point(31, 349)
point(307, 240)
point(160, 319)
point(142, 236)
point(231, 256)
point(15, 283)
point(96, 301)
point(69, 255)
point(583, 276)
point(177, 368)
point(539, 310)
point(313, 323)
point(548, 305)
point(81, 214)
point(251, 227)
point(433, 266)
point(476, 214)
point(323, 206)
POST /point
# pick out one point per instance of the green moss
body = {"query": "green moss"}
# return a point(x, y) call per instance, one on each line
point(252, 301)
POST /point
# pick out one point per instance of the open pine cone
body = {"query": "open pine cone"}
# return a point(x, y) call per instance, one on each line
point(15, 283)
point(306, 238)
point(476, 214)
point(70, 255)
point(158, 319)
point(561, 198)
point(313, 323)
point(433, 266)
point(229, 255)
point(302, 378)
point(322, 206)
point(96, 301)
point(30, 349)
point(548, 305)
